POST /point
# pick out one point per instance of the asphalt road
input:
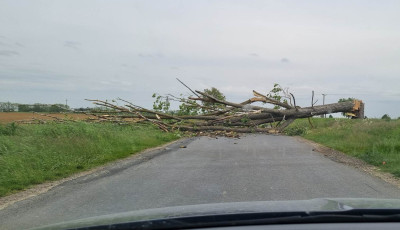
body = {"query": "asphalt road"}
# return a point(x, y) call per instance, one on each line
point(209, 170)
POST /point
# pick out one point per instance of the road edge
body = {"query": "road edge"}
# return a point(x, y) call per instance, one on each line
point(38, 189)
point(354, 162)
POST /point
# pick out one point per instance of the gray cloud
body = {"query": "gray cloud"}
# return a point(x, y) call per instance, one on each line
point(19, 44)
point(151, 55)
point(254, 54)
point(73, 45)
point(285, 60)
point(128, 66)
point(9, 43)
point(8, 53)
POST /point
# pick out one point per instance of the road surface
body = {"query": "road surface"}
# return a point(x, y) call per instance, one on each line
point(252, 168)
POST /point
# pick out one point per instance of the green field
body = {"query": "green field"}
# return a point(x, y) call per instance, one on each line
point(33, 154)
point(375, 141)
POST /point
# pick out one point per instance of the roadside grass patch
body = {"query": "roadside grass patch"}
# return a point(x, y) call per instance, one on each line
point(33, 154)
point(296, 130)
point(375, 141)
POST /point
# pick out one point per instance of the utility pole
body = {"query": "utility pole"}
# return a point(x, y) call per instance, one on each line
point(66, 103)
point(323, 102)
point(312, 99)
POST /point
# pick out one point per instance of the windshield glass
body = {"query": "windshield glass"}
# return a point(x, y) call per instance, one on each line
point(117, 106)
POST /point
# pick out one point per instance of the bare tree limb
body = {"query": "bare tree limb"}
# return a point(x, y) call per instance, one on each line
point(232, 117)
point(187, 87)
point(270, 100)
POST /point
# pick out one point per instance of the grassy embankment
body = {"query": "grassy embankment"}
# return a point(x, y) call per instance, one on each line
point(375, 141)
point(33, 154)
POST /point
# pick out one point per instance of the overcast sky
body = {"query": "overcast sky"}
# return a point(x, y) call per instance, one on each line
point(51, 51)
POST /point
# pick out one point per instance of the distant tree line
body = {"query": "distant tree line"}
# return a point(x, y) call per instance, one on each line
point(8, 107)
point(37, 107)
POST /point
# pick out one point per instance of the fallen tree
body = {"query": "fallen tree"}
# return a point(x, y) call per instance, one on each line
point(206, 112)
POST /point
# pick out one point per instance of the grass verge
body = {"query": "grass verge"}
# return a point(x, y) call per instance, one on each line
point(33, 154)
point(375, 141)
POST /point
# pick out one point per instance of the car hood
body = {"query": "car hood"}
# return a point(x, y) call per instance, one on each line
point(313, 205)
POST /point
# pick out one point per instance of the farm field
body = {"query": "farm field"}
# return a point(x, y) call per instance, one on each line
point(7, 117)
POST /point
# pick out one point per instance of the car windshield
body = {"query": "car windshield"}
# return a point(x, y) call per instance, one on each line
point(108, 107)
